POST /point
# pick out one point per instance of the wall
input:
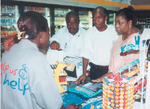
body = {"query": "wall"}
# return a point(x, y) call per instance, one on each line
point(74, 3)
point(140, 2)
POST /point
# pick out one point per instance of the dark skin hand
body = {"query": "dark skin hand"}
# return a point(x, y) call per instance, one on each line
point(101, 78)
point(55, 46)
point(83, 77)
point(71, 106)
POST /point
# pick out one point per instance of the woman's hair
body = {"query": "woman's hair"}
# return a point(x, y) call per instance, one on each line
point(128, 14)
point(32, 23)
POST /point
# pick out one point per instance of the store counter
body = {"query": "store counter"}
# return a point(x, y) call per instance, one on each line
point(90, 103)
point(54, 56)
point(80, 99)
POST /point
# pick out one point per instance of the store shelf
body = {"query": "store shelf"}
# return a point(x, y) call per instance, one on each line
point(143, 19)
point(59, 17)
point(37, 9)
point(9, 17)
point(43, 10)
point(111, 19)
point(139, 77)
point(85, 19)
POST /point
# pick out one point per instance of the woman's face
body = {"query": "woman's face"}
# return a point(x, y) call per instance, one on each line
point(45, 39)
point(121, 25)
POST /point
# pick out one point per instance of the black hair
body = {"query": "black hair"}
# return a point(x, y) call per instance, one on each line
point(32, 23)
point(128, 14)
point(72, 13)
point(102, 8)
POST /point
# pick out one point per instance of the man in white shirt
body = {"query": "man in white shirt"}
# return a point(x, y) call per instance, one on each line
point(69, 38)
point(97, 45)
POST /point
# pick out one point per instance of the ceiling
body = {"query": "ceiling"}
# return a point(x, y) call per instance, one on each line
point(85, 3)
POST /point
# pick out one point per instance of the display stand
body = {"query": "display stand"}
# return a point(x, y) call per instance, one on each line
point(115, 93)
point(147, 105)
point(145, 36)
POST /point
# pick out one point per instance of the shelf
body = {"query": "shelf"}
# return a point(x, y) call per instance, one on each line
point(137, 78)
point(7, 15)
point(63, 16)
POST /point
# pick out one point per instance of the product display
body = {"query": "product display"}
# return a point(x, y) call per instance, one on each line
point(74, 66)
point(87, 90)
point(42, 10)
point(118, 93)
point(134, 72)
point(85, 19)
point(9, 14)
point(37, 9)
point(60, 76)
point(60, 14)
point(71, 98)
point(93, 103)
point(129, 66)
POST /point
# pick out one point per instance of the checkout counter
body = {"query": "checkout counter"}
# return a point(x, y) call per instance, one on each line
point(54, 56)
point(94, 102)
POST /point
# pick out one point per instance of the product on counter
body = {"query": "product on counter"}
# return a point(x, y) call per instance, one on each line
point(87, 90)
point(71, 98)
point(93, 103)
point(118, 93)
point(60, 76)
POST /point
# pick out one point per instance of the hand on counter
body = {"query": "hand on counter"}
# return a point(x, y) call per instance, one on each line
point(81, 79)
point(55, 46)
point(98, 80)
point(101, 78)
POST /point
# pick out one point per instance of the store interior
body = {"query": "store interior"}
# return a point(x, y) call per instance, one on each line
point(55, 12)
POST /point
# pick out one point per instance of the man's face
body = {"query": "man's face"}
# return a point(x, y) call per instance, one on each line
point(99, 19)
point(72, 24)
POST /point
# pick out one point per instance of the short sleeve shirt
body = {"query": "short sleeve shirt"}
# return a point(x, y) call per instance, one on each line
point(97, 45)
point(27, 79)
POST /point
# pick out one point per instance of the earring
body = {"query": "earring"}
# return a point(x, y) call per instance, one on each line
point(129, 29)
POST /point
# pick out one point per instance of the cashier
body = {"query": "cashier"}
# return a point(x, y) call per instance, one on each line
point(69, 38)
point(27, 79)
